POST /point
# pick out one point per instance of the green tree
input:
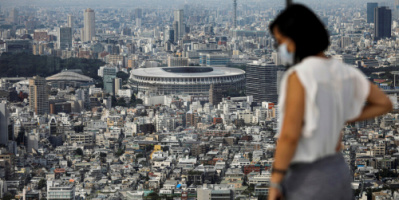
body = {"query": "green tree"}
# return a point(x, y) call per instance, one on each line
point(99, 83)
point(121, 102)
point(149, 147)
point(140, 155)
point(114, 102)
point(153, 196)
point(28, 65)
point(120, 152)
point(79, 151)
point(165, 148)
point(8, 196)
point(133, 100)
point(144, 114)
point(262, 197)
point(123, 76)
point(42, 183)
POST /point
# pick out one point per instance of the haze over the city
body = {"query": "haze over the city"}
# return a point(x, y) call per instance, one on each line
point(162, 99)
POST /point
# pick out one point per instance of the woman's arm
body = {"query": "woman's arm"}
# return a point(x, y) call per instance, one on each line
point(291, 127)
point(378, 104)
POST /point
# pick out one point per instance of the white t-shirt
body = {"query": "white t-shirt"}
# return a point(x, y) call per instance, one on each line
point(334, 94)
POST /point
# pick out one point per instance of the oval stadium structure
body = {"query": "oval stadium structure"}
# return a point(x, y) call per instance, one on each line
point(68, 78)
point(186, 80)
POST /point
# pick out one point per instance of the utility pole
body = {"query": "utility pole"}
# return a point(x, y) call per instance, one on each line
point(289, 2)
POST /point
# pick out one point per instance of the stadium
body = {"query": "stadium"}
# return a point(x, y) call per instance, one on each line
point(68, 78)
point(186, 80)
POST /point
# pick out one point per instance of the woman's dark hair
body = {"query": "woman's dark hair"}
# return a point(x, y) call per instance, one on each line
point(301, 25)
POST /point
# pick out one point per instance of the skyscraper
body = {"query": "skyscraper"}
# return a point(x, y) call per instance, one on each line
point(4, 123)
point(117, 85)
point(370, 12)
point(180, 25)
point(175, 31)
point(14, 16)
point(215, 95)
point(108, 79)
point(235, 14)
point(71, 19)
point(170, 35)
point(395, 13)
point(138, 13)
point(262, 81)
point(383, 22)
point(64, 38)
point(38, 95)
point(89, 29)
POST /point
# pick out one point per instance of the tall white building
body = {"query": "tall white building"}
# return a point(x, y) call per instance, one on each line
point(117, 85)
point(276, 58)
point(89, 29)
point(180, 25)
point(71, 19)
point(4, 115)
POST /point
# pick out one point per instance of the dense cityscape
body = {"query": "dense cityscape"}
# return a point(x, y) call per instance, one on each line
point(173, 99)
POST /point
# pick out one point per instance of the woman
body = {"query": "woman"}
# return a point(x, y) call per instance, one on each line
point(318, 96)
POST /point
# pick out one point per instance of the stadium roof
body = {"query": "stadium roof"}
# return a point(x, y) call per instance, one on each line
point(187, 72)
point(69, 76)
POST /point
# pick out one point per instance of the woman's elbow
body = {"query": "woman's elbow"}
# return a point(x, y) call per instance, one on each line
point(289, 138)
point(388, 105)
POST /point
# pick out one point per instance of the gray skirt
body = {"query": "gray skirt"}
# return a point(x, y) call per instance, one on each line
point(327, 178)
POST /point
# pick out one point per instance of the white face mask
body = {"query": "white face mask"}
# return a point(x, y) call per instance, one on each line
point(287, 58)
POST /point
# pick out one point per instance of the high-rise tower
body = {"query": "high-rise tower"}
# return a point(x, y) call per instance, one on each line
point(89, 30)
point(108, 79)
point(71, 19)
point(235, 14)
point(38, 95)
point(370, 12)
point(175, 31)
point(383, 22)
point(138, 13)
point(180, 25)
point(64, 38)
point(4, 115)
point(263, 81)
point(14, 16)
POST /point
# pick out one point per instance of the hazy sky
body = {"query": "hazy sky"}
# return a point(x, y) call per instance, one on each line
point(154, 3)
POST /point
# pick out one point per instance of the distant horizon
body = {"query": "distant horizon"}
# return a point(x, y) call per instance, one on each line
point(127, 4)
